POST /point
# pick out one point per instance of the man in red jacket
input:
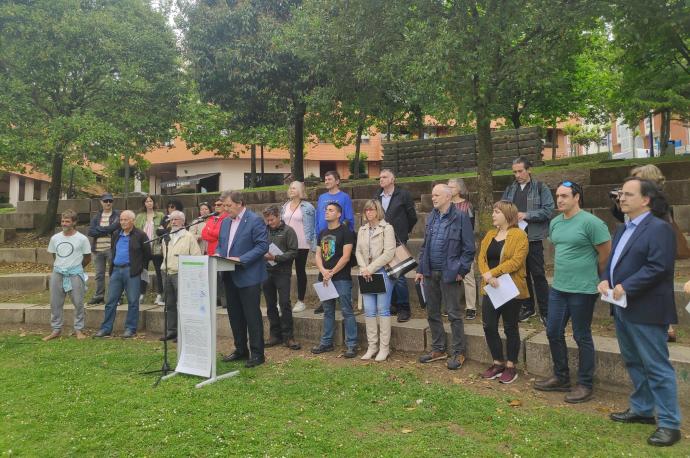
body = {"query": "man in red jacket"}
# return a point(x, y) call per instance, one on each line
point(210, 233)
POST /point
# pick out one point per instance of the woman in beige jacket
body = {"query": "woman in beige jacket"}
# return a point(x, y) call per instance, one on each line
point(375, 249)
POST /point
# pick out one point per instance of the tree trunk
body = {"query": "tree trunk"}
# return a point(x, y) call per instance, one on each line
point(48, 224)
point(252, 166)
point(358, 145)
point(554, 140)
point(515, 116)
point(389, 126)
point(263, 178)
point(126, 176)
point(665, 134)
point(297, 166)
point(485, 159)
point(418, 121)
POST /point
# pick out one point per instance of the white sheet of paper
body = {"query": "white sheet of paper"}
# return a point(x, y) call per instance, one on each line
point(687, 307)
point(275, 251)
point(622, 302)
point(522, 225)
point(506, 291)
point(326, 292)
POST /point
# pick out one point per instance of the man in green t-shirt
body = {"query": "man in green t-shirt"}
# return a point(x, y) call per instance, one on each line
point(582, 242)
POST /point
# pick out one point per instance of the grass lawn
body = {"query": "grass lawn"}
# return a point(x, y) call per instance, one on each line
point(85, 398)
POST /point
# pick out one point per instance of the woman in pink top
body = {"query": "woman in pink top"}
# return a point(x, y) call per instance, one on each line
point(300, 215)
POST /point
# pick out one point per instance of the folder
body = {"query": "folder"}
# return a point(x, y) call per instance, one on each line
point(375, 286)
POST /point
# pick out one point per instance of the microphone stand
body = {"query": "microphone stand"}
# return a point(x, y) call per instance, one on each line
point(165, 238)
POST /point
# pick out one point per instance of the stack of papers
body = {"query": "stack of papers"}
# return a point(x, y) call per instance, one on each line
point(608, 297)
point(506, 291)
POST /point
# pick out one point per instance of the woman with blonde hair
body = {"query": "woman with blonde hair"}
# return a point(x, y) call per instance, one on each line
point(503, 251)
point(375, 249)
point(147, 220)
point(301, 216)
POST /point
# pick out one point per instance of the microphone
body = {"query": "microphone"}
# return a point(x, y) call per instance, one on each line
point(204, 218)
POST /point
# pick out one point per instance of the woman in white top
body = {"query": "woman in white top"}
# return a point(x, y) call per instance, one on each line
point(375, 249)
point(300, 215)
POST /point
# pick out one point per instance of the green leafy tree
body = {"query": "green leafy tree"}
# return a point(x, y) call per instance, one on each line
point(83, 80)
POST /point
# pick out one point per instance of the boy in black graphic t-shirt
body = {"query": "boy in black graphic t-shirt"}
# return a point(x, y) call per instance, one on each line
point(333, 261)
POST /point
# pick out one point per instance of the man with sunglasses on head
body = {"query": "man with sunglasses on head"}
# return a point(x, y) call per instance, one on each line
point(535, 207)
point(101, 228)
point(583, 243)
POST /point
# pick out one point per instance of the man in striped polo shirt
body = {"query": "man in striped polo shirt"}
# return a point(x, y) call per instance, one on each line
point(102, 226)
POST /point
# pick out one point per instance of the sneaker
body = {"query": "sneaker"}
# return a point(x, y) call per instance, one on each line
point(509, 375)
point(128, 334)
point(141, 299)
point(318, 310)
point(455, 362)
point(444, 313)
point(159, 300)
point(321, 349)
point(470, 314)
point(52, 335)
point(95, 300)
point(299, 307)
point(493, 372)
point(100, 334)
point(432, 356)
point(543, 320)
point(526, 314)
point(351, 352)
point(403, 316)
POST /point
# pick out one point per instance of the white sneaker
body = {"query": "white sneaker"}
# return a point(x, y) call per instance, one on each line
point(159, 300)
point(299, 307)
point(141, 298)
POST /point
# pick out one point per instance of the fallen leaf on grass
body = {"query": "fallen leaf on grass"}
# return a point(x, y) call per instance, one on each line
point(457, 380)
point(515, 403)
point(409, 409)
point(406, 431)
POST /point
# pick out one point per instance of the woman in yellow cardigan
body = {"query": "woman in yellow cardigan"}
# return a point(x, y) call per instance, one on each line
point(503, 251)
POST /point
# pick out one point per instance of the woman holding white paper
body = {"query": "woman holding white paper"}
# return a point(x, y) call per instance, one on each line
point(375, 249)
point(503, 251)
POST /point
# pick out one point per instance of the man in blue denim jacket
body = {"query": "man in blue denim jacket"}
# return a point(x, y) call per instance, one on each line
point(535, 206)
point(446, 257)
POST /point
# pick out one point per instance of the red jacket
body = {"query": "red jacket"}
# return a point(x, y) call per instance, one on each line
point(211, 231)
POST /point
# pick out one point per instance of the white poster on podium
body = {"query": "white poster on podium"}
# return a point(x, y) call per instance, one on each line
point(196, 352)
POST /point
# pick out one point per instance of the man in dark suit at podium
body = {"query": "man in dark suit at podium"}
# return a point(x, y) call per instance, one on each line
point(243, 238)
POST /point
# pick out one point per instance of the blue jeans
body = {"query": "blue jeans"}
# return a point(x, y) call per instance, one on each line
point(645, 352)
point(344, 288)
point(401, 295)
point(379, 304)
point(579, 306)
point(121, 281)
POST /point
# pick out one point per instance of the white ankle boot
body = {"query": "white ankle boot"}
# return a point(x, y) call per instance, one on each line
point(372, 337)
point(384, 349)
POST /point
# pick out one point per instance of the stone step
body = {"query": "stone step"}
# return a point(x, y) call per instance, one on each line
point(413, 336)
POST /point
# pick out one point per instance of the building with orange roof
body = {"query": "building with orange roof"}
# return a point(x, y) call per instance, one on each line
point(175, 167)
point(21, 186)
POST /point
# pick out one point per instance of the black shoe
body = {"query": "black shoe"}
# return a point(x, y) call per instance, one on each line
point(100, 334)
point(470, 314)
point(128, 334)
point(171, 336)
point(321, 349)
point(403, 316)
point(664, 437)
point(630, 417)
point(526, 314)
point(254, 361)
point(318, 310)
point(95, 300)
point(351, 352)
point(394, 310)
point(235, 356)
point(552, 383)
point(273, 341)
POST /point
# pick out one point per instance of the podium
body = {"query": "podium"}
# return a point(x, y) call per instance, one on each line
point(196, 317)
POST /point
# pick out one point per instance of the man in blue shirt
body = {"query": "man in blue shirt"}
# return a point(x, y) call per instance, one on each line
point(130, 253)
point(446, 257)
point(641, 270)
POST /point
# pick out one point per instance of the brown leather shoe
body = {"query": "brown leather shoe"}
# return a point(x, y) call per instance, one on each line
point(579, 394)
point(273, 341)
point(433, 356)
point(552, 383)
point(292, 344)
point(79, 335)
point(52, 335)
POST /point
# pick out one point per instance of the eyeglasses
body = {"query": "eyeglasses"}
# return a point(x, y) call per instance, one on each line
point(370, 209)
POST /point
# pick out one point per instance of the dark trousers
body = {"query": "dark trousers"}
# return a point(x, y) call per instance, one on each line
point(563, 306)
point(277, 291)
point(245, 316)
point(437, 294)
point(171, 303)
point(536, 275)
point(301, 270)
point(510, 311)
point(157, 263)
point(401, 295)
